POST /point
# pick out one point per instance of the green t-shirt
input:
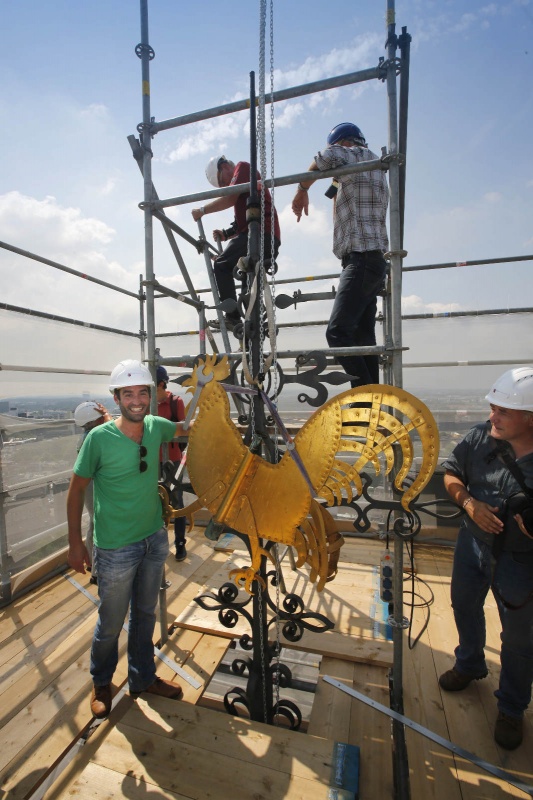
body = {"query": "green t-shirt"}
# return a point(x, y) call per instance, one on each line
point(127, 507)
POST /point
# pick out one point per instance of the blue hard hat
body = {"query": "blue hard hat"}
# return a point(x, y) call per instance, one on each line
point(162, 374)
point(345, 130)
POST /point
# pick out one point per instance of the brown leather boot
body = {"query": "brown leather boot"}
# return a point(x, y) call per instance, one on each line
point(455, 681)
point(168, 689)
point(508, 731)
point(101, 701)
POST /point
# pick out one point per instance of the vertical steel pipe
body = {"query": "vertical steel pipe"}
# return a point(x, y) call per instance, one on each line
point(400, 764)
point(145, 53)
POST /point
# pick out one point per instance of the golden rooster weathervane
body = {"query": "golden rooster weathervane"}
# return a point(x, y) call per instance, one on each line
point(274, 501)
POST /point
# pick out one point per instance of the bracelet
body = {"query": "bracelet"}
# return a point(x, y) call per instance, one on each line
point(302, 188)
point(202, 209)
point(467, 501)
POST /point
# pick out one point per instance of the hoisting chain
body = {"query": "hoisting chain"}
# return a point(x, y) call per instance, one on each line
point(260, 141)
point(273, 340)
point(261, 146)
point(261, 636)
point(266, 295)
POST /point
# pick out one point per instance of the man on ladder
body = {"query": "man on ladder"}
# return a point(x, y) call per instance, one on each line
point(359, 241)
point(222, 172)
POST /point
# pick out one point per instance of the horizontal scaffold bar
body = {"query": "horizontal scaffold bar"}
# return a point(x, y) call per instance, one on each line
point(63, 268)
point(323, 322)
point(67, 320)
point(283, 94)
point(328, 276)
point(286, 180)
point(451, 264)
point(187, 362)
point(494, 363)
point(58, 370)
point(370, 350)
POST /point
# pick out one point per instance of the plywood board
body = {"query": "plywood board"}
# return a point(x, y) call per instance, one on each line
point(191, 752)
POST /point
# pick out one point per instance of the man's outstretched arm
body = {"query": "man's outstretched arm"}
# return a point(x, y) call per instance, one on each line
point(300, 203)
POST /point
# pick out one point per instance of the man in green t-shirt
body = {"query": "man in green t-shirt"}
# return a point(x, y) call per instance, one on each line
point(121, 457)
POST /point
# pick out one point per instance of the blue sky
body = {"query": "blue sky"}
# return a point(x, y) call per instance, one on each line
point(69, 188)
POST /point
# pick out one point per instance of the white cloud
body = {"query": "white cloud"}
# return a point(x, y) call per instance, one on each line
point(108, 187)
point(413, 304)
point(287, 113)
point(65, 236)
point(465, 22)
point(48, 221)
point(439, 24)
point(318, 225)
point(492, 197)
point(214, 135)
point(209, 135)
point(335, 62)
point(94, 111)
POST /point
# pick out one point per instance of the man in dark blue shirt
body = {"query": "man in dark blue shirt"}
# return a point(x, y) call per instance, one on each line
point(495, 549)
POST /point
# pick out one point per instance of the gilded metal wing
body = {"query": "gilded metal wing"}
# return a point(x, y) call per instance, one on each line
point(374, 420)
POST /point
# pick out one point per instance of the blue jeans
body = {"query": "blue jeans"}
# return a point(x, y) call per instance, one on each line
point(473, 573)
point(353, 319)
point(129, 575)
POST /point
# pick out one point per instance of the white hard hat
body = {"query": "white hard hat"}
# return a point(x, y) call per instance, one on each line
point(130, 373)
point(86, 412)
point(513, 389)
point(211, 171)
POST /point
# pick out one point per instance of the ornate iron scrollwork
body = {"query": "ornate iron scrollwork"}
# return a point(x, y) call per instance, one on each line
point(293, 619)
point(406, 525)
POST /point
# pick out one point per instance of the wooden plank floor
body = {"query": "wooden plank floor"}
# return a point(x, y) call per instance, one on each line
point(44, 665)
point(178, 750)
point(467, 718)
point(161, 750)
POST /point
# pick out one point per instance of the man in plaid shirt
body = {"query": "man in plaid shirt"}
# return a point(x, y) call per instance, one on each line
point(359, 241)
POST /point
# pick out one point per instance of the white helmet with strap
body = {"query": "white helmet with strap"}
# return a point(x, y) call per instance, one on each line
point(513, 389)
point(211, 171)
point(130, 373)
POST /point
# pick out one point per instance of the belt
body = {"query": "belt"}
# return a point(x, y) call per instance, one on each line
point(348, 257)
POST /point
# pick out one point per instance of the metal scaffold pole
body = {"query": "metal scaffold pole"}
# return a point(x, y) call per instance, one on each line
point(146, 54)
point(394, 318)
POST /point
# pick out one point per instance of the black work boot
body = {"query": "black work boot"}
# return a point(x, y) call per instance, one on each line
point(181, 550)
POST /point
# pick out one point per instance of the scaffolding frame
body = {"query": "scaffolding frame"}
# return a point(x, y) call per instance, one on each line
point(394, 160)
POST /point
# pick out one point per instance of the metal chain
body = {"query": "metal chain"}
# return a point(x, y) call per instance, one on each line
point(262, 646)
point(260, 129)
point(259, 299)
point(261, 133)
point(273, 341)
